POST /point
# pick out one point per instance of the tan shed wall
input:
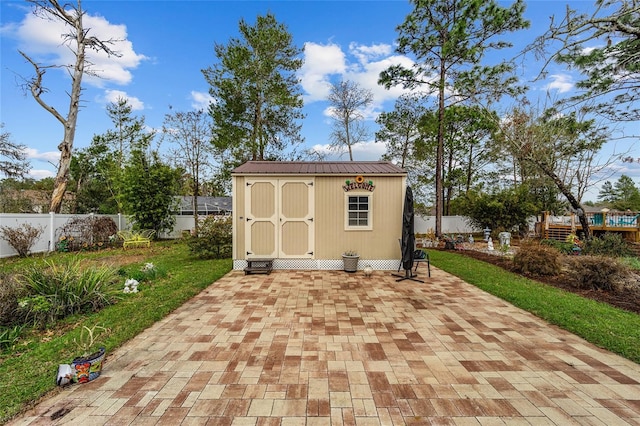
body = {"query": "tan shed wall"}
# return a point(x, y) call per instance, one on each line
point(379, 243)
point(331, 238)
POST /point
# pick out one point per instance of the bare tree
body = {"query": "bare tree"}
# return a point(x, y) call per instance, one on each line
point(13, 161)
point(191, 132)
point(78, 40)
point(348, 100)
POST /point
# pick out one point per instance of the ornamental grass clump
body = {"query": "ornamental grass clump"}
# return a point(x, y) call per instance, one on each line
point(537, 259)
point(56, 290)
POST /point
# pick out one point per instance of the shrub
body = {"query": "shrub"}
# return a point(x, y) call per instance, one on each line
point(537, 259)
point(21, 238)
point(86, 233)
point(610, 244)
point(562, 246)
point(503, 210)
point(58, 290)
point(9, 295)
point(597, 273)
point(214, 239)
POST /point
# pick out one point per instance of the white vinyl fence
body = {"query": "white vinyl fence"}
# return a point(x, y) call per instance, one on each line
point(450, 225)
point(52, 222)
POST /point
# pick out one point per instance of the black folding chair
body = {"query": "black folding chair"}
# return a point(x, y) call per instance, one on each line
point(416, 261)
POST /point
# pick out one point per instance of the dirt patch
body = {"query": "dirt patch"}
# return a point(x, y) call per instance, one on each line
point(627, 299)
point(118, 260)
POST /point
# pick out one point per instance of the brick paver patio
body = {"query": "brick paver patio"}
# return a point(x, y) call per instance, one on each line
point(331, 348)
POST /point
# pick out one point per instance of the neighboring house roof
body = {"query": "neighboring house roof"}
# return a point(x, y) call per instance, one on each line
point(206, 205)
point(318, 168)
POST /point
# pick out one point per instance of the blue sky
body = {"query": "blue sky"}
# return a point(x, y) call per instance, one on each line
point(167, 43)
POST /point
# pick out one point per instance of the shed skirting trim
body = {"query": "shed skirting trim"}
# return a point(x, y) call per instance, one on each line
point(328, 264)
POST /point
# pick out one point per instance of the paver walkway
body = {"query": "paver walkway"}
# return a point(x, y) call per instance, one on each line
point(330, 348)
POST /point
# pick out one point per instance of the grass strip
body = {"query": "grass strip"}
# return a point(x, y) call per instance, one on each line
point(29, 373)
point(603, 325)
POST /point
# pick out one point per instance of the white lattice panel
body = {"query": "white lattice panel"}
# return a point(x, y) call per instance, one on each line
point(324, 264)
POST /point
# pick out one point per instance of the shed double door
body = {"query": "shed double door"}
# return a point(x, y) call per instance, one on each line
point(279, 218)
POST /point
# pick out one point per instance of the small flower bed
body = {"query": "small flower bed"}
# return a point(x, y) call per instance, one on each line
point(146, 273)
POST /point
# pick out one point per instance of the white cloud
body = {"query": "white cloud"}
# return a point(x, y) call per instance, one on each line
point(43, 40)
point(362, 64)
point(49, 156)
point(367, 53)
point(320, 62)
point(561, 82)
point(38, 174)
point(200, 101)
point(112, 96)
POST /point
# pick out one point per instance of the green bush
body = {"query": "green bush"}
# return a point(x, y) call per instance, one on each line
point(214, 239)
point(54, 291)
point(610, 244)
point(597, 273)
point(537, 259)
point(504, 210)
point(562, 246)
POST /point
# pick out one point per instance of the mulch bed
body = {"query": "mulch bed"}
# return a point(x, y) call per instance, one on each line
point(628, 299)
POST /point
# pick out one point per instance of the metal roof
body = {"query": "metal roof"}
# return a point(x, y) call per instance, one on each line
point(206, 205)
point(318, 168)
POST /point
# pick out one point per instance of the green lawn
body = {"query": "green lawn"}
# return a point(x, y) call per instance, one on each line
point(29, 373)
point(603, 325)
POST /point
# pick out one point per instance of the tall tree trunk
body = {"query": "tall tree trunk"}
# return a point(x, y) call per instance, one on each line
point(467, 186)
point(66, 146)
point(440, 150)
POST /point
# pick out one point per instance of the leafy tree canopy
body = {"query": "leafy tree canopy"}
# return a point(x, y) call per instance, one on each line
point(449, 40)
point(622, 195)
point(257, 96)
point(149, 188)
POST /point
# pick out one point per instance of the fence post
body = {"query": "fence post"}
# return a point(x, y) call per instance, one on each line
point(52, 230)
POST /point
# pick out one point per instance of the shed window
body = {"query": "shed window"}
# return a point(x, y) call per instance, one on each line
point(358, 212)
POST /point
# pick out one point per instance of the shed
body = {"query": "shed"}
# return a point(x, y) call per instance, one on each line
point(304, 215)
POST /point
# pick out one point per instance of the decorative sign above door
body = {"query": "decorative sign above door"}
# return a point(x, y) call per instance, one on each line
point(358, 183)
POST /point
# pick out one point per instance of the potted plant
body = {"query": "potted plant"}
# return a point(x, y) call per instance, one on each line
point(350, 260)
point(88, 366)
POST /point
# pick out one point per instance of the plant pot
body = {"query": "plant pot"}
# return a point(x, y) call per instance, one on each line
point(350, 263)
point(89, 367)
